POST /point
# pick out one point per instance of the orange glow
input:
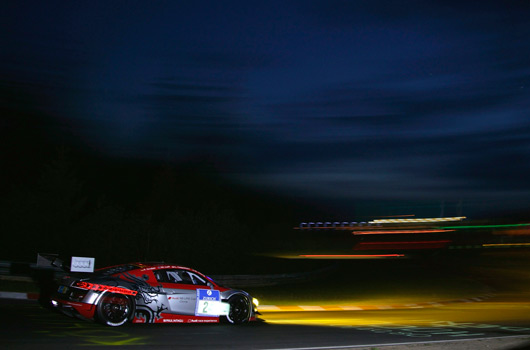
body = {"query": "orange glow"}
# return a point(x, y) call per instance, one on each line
point(515, 232)
point(103, 288)
point(353, 256)
point(394, 232)
point(401, 245)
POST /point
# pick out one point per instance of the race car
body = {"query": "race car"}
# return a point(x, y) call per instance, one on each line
point(152, 293)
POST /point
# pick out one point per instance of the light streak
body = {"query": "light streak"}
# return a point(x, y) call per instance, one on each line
point(328, 225)
point(352, 256)
point(394, 232)
point(519, 231)
point(485, 226)
point(389, 221)
point(506, 245)
point(401, 245)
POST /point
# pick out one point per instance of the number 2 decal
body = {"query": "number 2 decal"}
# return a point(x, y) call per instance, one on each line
point(205, 309)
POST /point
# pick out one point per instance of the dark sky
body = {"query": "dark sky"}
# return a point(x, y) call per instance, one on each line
point(405, 100)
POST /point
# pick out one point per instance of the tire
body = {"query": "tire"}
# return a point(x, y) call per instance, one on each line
point(239, 309)
point(114, 309)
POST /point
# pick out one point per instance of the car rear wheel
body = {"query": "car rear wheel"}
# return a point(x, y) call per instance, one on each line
point(114, 309)
point(239, 309)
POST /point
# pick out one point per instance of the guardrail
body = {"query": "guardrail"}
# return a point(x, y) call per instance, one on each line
point(16, 268)
point(22, 268)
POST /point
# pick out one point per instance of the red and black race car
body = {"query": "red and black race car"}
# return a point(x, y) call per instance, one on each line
point(152, 293)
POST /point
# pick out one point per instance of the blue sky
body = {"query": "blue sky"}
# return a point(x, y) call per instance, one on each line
point(342, 100)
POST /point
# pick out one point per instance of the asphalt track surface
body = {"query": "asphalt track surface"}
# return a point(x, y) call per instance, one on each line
point(500, 321)
point(27, 325)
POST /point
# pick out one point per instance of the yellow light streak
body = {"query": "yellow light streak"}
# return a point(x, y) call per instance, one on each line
point(506, 245)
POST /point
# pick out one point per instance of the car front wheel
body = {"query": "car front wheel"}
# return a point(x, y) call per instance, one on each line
point(114, 309)
point(239, 309)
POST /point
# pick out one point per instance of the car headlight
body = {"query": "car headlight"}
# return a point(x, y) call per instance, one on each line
point(255, 302)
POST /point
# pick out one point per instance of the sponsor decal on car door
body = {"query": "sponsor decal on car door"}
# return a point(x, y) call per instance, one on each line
point(181, 292)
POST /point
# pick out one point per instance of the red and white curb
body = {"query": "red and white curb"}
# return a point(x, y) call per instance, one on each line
point(422, 305)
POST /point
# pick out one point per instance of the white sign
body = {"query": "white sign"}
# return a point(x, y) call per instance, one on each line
point(82, 264)
point(209, 303)
point(212, 308)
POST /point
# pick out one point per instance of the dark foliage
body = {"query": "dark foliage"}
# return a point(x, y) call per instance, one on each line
point(121, 213)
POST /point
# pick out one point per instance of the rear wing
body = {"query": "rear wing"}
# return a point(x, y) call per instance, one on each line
point(46, 260)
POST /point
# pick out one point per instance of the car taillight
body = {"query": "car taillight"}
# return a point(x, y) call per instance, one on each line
point(103, 288)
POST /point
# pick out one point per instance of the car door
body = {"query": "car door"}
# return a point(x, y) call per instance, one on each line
point(180, 286)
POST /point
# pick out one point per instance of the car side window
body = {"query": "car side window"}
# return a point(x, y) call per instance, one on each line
point(179, 276)
point(198, 279)
point(174, 276)
point(161, 276)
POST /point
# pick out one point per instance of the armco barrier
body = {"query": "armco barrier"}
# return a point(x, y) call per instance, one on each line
point(25, 269)
point(16, 268)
